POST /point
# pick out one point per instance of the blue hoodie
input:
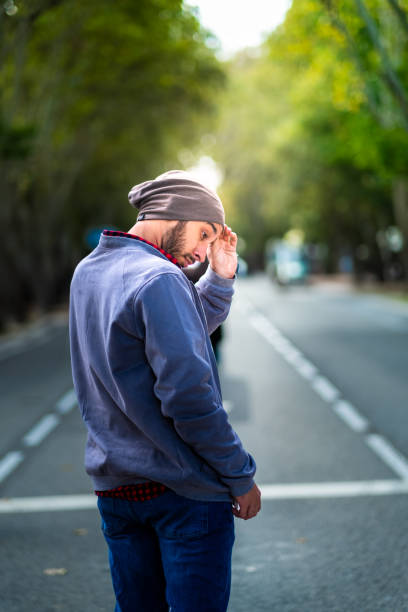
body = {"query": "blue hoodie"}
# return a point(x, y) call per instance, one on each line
point(145, 374)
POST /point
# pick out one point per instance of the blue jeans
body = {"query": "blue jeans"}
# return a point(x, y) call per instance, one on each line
point(169, 553)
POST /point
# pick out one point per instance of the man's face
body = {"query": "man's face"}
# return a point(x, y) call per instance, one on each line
point(188, 241)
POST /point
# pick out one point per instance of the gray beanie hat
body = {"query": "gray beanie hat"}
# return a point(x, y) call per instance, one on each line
point(176, 195)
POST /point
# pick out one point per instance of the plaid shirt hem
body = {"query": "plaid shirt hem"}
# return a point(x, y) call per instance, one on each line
point(135, 492)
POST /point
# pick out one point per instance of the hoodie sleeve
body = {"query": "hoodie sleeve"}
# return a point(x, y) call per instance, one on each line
point(216, 295)
point(177, 348)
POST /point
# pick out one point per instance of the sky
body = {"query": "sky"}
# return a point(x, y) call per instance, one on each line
point(240, 23)
point(237, 24)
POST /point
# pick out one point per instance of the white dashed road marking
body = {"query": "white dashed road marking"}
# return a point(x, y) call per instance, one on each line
point(38, 433)
point(321, 385)
point(66, 402)
point(393, 458)
point(351, 416)
point(325, 389)
point(228, 406)
point(9, 463)
point(330, 394)
point(41, 430)
point(305, 368)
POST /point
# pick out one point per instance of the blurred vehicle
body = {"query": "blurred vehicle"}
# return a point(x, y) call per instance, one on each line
point(286, 263)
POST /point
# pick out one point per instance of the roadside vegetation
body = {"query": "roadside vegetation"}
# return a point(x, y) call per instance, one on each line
point(310, 131)
point(94, 97)
point(313, 135)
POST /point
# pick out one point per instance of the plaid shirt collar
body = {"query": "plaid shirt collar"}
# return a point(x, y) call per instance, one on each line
point(134, 237)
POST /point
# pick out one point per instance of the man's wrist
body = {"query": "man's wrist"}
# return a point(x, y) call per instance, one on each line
point(226, 273)
point(222, 275)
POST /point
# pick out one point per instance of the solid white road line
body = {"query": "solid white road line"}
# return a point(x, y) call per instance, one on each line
point(41, 430)
point(322, 490)
point(334, 489)
point(48, 504)
point(9, 463)
point(351, 416)
point(66, 402)
point(393, 458)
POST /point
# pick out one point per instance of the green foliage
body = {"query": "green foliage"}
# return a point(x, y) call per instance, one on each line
point(16, 141)
point(94, 96)
point(313, 129)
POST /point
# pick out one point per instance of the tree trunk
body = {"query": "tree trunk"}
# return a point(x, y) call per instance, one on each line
point(389, 75)
point(400, 204)
point(401, 14)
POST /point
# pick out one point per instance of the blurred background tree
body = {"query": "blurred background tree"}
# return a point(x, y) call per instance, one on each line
point(95, 96)
point(310, 131)
point(313, 133)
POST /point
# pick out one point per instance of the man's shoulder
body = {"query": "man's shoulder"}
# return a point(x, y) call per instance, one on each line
point(164, 277)
point(152, 274)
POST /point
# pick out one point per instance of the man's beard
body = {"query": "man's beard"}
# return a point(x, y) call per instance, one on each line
point(173, 240)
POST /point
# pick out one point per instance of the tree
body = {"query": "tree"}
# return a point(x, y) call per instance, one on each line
point(94, 97)
point(381, 59)
point(324, 143)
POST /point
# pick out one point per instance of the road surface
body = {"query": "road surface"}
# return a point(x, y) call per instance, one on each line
point(315, 382)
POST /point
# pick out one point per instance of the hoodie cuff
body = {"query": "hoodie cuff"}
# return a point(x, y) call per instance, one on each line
point(215, 278)
point(242, 488)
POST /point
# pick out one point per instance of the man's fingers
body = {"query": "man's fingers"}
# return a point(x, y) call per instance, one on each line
point(248, 505)
point(245, 512)
point(239, 514)
point(233, 239)
point(228, 234)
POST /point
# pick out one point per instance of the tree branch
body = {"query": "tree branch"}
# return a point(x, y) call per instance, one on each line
point(356, 56)
point(401, 14)
point(389, 76)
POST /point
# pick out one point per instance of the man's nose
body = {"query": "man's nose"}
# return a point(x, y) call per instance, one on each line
point(200, 253)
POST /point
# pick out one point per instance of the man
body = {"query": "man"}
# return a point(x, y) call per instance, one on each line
point(168, 469)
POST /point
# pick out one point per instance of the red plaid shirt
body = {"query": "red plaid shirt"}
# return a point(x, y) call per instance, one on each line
point(135, 492)
point(125, 235)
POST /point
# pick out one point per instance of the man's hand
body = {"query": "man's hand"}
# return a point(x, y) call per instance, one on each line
point(222, 253)
point(247, 506)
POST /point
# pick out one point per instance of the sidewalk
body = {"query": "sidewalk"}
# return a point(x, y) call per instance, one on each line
point(344, 282)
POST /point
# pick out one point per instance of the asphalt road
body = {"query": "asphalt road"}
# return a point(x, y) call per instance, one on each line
point(315, 383)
